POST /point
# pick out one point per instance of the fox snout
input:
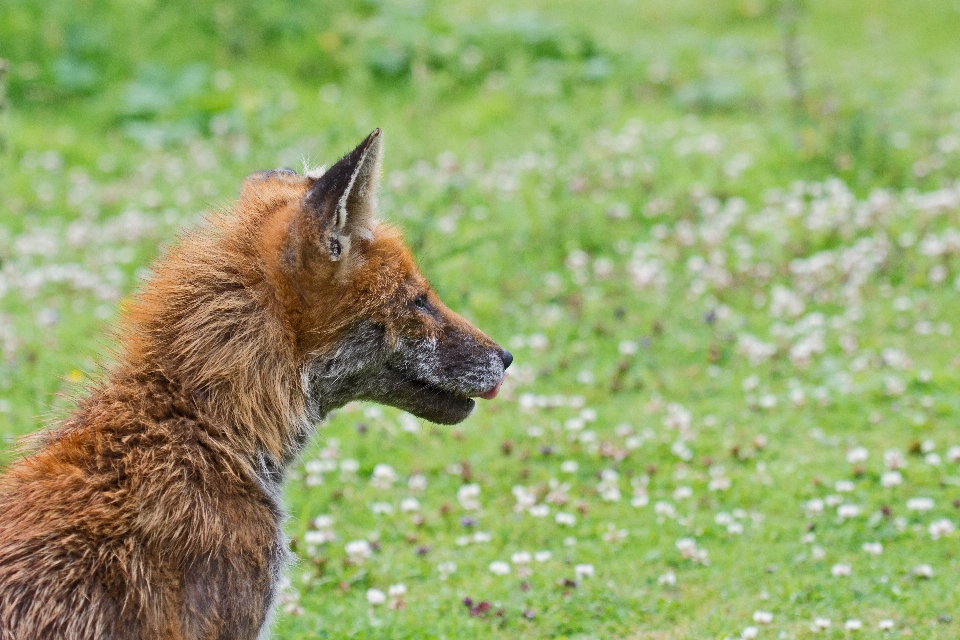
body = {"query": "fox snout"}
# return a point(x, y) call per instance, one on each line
point(438, 379)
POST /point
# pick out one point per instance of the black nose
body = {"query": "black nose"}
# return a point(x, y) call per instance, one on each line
point(507, 358)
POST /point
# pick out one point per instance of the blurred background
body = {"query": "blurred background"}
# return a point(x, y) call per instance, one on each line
point(836, 81)
point(721, 239)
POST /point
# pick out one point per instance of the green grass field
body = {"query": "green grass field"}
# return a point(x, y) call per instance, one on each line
point(721, 239)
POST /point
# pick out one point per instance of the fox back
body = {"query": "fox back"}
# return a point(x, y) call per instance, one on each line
point(153, 510)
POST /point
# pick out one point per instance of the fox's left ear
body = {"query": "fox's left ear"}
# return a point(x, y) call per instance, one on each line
point(344, 199)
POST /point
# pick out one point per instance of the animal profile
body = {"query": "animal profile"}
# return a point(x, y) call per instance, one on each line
point(153, 510)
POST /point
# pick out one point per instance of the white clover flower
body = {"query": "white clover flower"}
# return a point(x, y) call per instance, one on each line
point(467, 496)
point(919, 504)
point(678, 417)
point(894, 386)
point(609, 493)
point(316, 466)
point(891, 479)
point(583, 571)
point(446, 568)
point(923, 571)
point(408, 423)
point(820, 624)
point(665, 509)
point(525, 498)
point(417, 482)
point(569, 466)
point(762, 617)
point(316, 538)
point(894, 459)
point(358, 551)
point(757, 352)
point(857, 455)
point(840, 570)
point(686, 545)
point(613, 534)
point(814, 507)
point(953, 454)
point(628, 347)
point(689, 551)
point(846, 511)
point(539, 511)
point(500, 568)
point(538, 342)
point(749, 633)
point(383, 476)
point(797, 397)
point(381, 508)
point(409, 504)
point(784, 302)
point(852, 625)
point(639, 499)
point(565, 519)
point(397, 590)
point(559, 492)
point(669, 579)
point(885, 625)
point(873, 548)
point(608, 488)
point(719, 483)
point(767, 401)
point(681, 450)
point(939, 528)
point(521, 557)
point(376, 597)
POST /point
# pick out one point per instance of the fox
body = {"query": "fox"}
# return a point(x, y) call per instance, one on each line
point(153, 509)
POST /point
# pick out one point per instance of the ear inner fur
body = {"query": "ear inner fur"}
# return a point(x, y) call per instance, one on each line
point(344, 197)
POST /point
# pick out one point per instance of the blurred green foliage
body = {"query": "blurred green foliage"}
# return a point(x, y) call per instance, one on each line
point(863, 69)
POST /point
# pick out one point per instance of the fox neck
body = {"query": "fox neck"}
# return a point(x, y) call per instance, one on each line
point(204, 322)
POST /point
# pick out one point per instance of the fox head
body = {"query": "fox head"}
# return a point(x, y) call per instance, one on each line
point(366, 324)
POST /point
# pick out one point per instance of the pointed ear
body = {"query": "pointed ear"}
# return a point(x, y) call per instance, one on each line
point(344, 199)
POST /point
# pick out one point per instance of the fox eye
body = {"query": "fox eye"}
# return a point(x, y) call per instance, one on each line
point(420, 302)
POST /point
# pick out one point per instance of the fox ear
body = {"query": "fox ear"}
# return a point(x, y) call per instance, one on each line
point(344, 199)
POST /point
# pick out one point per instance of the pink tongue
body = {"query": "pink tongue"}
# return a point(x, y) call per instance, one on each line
point(490, 395)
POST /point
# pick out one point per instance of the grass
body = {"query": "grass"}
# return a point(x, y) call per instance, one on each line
point(718, 304)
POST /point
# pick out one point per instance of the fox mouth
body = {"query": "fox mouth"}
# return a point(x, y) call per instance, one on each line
point(428, 401)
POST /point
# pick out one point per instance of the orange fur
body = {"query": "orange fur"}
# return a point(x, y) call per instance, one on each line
point(152, 511)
